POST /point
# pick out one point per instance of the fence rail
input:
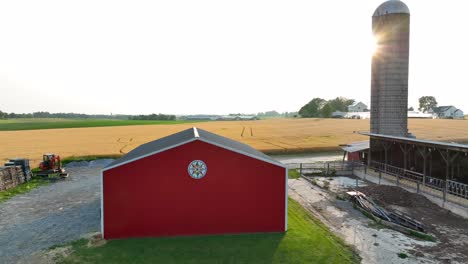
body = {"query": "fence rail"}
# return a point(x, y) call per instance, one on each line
point(326, 168)
point(402, 176)
point(445, 186)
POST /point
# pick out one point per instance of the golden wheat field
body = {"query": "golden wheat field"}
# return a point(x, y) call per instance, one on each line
point(271, 136)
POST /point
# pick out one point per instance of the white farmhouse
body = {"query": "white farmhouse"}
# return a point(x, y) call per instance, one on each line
point(357, 107)
point(447, 112)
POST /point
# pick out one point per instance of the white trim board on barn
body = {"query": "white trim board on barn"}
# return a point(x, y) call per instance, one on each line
point(187, 136)
point(102, 205)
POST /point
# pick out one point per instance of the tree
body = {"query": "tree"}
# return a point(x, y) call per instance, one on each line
point(3, 115)
point(411, 109)
point(340, 104)
point(312, 108)
point(426, 103)
point(272, 113)
point(326, 110)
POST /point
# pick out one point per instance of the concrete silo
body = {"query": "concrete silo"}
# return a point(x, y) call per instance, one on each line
point(389, 81)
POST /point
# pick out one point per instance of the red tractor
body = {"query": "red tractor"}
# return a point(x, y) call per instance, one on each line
point(51, 166)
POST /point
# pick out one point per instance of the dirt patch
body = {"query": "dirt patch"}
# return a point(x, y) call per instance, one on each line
point(374, 244)
point(450, 230)
point(393, 195)
point(95, 240)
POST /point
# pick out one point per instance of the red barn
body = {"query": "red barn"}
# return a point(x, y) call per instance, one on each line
point(193, 183)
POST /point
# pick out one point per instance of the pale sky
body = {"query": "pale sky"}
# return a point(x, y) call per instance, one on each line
point(214, 57)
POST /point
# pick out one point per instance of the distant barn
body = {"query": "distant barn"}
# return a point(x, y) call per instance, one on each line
point(193, 183)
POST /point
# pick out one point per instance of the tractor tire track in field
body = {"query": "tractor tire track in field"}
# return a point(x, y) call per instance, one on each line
point(289, 144)
point(246, 131)
point(126, 144)
point(284, 148)
point(50, 215)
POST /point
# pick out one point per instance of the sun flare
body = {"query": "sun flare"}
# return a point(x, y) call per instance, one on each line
point(374, 45)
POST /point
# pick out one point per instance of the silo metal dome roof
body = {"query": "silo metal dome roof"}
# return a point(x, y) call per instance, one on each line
point(392, 7)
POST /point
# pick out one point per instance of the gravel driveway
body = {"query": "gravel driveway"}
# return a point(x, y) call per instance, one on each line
point(49, 215)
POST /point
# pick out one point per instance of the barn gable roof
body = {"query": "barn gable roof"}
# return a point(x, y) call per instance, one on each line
point(187, 136)
point(441, 109)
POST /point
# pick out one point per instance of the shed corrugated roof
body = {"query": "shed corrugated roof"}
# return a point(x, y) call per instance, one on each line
point(439, 144)
point(356, 146)
point(187, 136)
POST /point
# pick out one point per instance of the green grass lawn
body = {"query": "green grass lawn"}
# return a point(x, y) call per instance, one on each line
point(67, 160)
point(22, 188)
point(307, 241)
point(293, 174)
point(51, 123)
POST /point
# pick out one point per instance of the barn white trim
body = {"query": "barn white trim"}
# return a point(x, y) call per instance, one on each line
point(102, 204)
point(286, 203)
point(195, 132)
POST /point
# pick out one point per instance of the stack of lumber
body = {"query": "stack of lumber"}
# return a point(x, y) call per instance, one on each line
point(367, 204)
point(11, 176)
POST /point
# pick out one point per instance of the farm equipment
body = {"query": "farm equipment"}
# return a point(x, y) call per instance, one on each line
point(51, 167)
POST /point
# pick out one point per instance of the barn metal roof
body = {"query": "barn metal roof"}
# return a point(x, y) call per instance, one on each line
point(429, 143)
point(356, 146)
point(187, 136)
point(441, 109)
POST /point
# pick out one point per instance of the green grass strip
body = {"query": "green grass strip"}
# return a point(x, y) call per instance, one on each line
point(56, 123)
point(293, 174)
point(306, 241)
point(22, 188)
point(67, 160)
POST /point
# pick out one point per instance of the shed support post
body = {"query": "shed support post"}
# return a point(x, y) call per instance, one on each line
point(300, 168)
point(430, 167)
point(404, 149)
point(448, 162)
point(425, 154)
point(453, 172)
point(386, 147)
point(369, 155)
point(424, 171)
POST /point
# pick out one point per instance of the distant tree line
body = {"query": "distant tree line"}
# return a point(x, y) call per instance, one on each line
point(319, 107)
point(4, 115)
point(270, 114)
point(153, 117)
